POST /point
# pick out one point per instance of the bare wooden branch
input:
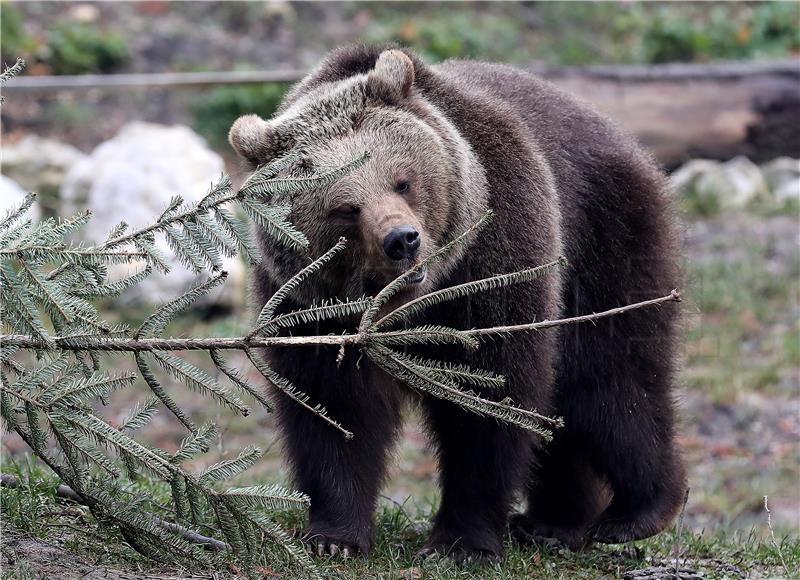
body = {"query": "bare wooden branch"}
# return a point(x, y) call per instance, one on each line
point(673, 296)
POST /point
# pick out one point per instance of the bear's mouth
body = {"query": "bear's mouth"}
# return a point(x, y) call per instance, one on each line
point(419, 277)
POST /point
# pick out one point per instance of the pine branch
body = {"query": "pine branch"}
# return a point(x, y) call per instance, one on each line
point(290, 285)
point(291, 391)
point(467, 289)
point(242, 343)
point(10, 73)
point(403, 279)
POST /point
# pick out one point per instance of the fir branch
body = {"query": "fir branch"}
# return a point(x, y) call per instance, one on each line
point(9, 73)
point(13, 214)
point(268, 311)
point(426, 334)
point(267, 185)
point(12, 71)
point(291, 391)
point(418, 377)
point(141, 415)
point(155, 386)
point(230, 468)
point(237, 379)
point(467, 289)
point(157, 322)
point(270, 497)
point(314, 313)
point(403, 279)
point(199, 380)
point(241, 343)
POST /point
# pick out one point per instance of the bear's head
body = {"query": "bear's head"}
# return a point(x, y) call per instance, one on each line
point(420, 187)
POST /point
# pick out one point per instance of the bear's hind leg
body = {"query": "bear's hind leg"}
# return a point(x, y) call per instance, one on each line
point(647, 479)
point(565, 495)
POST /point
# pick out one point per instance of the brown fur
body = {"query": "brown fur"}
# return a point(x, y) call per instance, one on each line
point(468, 136)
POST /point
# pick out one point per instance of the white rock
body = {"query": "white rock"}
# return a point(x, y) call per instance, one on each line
point(724, 186)
point(686, 175)
point(783, 177)
point(748, 182)
point(40, 165)
point(132, 178)
point(11, 196)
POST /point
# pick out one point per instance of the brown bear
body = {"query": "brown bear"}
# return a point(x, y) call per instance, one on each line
point(448, 142)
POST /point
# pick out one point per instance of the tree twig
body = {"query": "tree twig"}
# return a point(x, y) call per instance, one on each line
point(673, 296)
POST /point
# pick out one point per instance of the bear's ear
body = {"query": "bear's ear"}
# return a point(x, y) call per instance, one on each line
point(253, 139)
point(393, 71)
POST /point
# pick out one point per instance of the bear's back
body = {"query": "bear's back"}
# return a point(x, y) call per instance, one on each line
point(612, 194)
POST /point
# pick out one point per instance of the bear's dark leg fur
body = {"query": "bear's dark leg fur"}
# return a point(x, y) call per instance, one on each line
point(341, 477)
point(647, 479)
point(479, 462)
point(615, 379)
point(564, 497)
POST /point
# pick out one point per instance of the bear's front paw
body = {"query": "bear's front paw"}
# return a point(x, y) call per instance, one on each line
point(524, 530)
point(459, 554)
point(331, 545)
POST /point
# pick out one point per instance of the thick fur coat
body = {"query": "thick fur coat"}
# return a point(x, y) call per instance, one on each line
point(448, 142)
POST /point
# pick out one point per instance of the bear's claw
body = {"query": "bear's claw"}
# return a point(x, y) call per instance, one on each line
point(321, 545)
point(459, 555)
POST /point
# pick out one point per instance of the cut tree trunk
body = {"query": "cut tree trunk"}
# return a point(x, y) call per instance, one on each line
point(678, 111)
point(686, 111)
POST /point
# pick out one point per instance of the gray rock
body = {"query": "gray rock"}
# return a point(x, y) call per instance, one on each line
point(40, 165)
point(783, 178)
point(132, 178)
point(748, 182)
point(718, 186)
point(11, 196)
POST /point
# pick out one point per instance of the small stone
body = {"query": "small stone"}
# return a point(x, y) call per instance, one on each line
point(783, 178)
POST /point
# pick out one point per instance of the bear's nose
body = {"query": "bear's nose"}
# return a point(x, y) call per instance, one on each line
point(402, 243)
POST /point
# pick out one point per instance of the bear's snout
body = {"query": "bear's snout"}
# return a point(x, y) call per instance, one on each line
point(402, 244)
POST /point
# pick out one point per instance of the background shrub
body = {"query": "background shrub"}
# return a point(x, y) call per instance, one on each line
point(80, 49)
point(215, 112)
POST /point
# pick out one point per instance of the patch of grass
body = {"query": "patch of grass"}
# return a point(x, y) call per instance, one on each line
point(31, 509)
point(34, 510)
point(740, 338)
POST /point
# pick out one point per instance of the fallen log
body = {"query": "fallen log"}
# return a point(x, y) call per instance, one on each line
point(684, 111)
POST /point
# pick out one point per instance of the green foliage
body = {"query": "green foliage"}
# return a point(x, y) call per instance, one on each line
point(401, 531)
point(586, 33)
point(74, 49)
point(15, 39)
point(46, 287)
point(215, 112)
point(459, 34)
point(771, 30)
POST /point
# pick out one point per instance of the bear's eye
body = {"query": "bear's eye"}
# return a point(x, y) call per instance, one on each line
point(402, 187)
point(347, 211)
